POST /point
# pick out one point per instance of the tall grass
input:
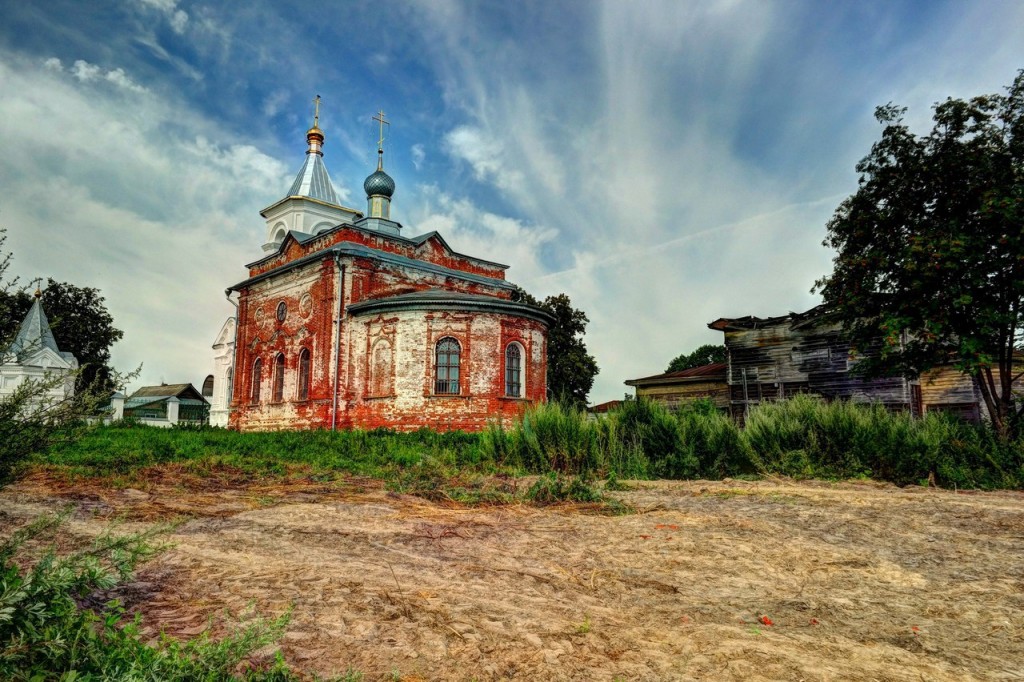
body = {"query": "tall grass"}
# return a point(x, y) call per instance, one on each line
point(807, 437)
point(802, 437)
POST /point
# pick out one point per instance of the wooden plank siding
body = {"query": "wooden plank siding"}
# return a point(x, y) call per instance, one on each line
point(674, 389)
point(946, 389)
point(672, 396)
point(775, 358)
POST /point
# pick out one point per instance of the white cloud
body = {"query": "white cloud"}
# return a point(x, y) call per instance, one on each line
point(120, 79)
point(486, 156)
point(417, 153)
point(88, 73)
point(53, 64)
point(480, 233)
point(273, 102)
point(177, 18)
point(178, 21)
point(140, 202)
point(84, 71)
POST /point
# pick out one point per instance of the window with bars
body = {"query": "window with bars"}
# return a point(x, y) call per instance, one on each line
point(446, 367)
point(257, 371)
point(513, 371)
point(279, 378)
point(304, 374)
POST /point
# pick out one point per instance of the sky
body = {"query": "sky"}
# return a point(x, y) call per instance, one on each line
point(664, 164)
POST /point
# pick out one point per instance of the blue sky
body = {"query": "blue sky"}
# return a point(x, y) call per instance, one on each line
point(663, 163)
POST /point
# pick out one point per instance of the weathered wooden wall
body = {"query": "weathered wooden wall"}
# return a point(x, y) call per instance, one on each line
point(781, 357)
point(674, 395)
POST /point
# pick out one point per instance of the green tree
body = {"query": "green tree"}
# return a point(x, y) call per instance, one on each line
point(571, 369)
point(81, 325)
point(704, 355)
point(31, 419)
point(929, 265)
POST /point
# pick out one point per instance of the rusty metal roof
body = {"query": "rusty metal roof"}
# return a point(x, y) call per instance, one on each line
point(751, 322)
point(352, 249)
point(715, 371)
point(606, 407)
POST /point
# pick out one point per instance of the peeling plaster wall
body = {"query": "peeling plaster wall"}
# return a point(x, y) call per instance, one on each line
point(400, 345)
point(405, 398)
point(309, 294)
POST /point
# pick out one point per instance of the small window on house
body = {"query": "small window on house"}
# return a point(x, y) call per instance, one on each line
point(282, 311)
point(446, 367)
point(514, 370)
point(279, 378)
point(304, 374)
point(257, 371)
point(230, 384)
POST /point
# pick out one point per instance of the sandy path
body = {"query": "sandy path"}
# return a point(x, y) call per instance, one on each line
point(860, 581)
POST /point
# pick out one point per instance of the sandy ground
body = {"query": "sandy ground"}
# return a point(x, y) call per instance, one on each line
point(770, 580)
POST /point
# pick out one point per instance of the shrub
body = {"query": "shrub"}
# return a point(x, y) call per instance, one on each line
point(649, 426)
point(547, 437)
point(48, 631)
point(714, 441)
point(554, 488)
point(808, 437)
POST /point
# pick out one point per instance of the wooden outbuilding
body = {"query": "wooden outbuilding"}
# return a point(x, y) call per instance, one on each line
point(778, 357)
point(678, 388)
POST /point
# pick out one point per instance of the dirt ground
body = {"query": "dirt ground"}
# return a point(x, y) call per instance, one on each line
point(768, 580)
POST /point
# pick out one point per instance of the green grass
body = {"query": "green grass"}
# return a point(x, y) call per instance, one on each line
point(803, 437)
point(119, 450)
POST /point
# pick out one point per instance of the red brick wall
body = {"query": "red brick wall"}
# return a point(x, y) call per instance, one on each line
point(310, 294)
point(430, 251)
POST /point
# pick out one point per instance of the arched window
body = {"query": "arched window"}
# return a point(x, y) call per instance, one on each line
point(380, 369)
point(231, 385)
point(446, 367)
point(304, 374)
point(514, 370)
point(257, 371)
point(279, 378)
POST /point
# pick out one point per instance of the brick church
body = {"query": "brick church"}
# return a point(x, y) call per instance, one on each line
point(346, 323)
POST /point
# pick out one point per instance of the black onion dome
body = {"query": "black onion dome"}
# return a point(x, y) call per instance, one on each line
point(379, 183)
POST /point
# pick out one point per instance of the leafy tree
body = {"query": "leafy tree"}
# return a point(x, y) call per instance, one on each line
point(930, 249)
point(80, 322)
point(31, 419)
point(571, 369)
point(704, 355)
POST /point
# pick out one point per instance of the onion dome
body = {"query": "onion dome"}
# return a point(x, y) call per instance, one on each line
point(315, 140)
point(379, 183)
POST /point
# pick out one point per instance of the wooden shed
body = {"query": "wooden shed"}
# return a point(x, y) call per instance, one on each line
point(677, 388)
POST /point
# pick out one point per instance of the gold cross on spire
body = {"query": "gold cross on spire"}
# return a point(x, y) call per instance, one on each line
point(380, 117)
point(316, 111)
